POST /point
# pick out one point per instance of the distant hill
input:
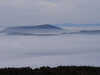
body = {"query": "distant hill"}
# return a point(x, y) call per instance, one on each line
point(48, 30)
point(45, 29)
point(45, 26)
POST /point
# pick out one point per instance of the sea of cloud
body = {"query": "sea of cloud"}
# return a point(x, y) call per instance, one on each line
point(70, 49)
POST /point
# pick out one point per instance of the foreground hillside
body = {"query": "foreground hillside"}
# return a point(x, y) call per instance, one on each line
point(61, 70)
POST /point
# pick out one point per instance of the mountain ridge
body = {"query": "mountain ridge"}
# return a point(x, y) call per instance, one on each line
point(45, 29)
point(45, 26)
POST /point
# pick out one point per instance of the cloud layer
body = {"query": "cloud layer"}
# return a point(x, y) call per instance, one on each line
point(31, 12)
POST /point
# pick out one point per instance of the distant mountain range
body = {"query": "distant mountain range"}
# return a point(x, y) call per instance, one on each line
point(45, 30)
point(43, 27)
point(34, 30)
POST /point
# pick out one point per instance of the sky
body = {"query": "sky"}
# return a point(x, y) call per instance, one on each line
point(33, 12)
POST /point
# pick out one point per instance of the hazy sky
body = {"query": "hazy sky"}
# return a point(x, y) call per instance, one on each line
point(31, 12)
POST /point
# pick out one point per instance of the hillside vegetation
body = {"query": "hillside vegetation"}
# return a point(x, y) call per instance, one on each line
point(60, 70)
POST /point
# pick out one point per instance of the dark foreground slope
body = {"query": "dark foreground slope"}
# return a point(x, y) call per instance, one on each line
point(61, 70)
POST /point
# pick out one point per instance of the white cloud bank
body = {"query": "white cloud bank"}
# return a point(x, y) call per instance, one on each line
point(49, 50)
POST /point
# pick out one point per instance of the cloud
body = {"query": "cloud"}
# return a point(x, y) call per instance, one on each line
point(31, 12)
